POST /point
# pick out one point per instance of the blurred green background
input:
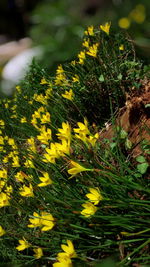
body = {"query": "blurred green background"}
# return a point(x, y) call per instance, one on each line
point(57, 26)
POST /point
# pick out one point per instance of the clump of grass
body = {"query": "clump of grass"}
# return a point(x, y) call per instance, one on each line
point(67, 198)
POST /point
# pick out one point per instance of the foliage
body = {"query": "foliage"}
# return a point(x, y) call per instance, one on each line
point(67, 197)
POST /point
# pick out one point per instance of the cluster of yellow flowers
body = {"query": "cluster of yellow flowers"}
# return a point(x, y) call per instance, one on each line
point(94, 198)
point(24, 244)
point(26, 161)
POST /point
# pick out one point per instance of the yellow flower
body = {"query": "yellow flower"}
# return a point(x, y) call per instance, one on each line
point(15, 162)
point(64, 261)
point(8, 190)
point(63, 148)
point(38, 253)
point(47, 221)
point(36, 221)
point(43, 81)
point(68, 95)
point(2, 231)
point(2, 183)
point(60, 69)
point(3, 174)
point(45, 118)
point(23, 120)
point(68, 249)
point(81, 57)
point(105, 27)
point(83, 127)
point(23, 244)
point(45, 180)
point(26, 191)
point(90, 31)
point(92, 139)
point(4, 200)
point(29, 164)
point(93, 50)
point(2, 123)
point(51, 154)
point(86, 43)
point(64, 132)
point(1, 140)
point(94, 195)
point(31, 144)
point(89, 209)
point(124, 23)
point(20, 176)
point(77, 168)
point(121, 47)
point(75, 78)
point(45, 136)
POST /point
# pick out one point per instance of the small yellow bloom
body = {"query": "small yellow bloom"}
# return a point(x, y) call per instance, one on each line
point(124, 23)
point(92, 139)
point(90, 31)
point(121, 47)
point(15, 162)
point(63, 147)
point(94, 195)
point(4, 200)
point(77, 168)
point(105, 27)
point(75, 78)
point(47, 221)
point(8, 190)
point(83, 128)
point(68, 95)
point(64, 261)
point(86, 43)
point(64, 132)
point(20, 176)
point(3, 174)
point(23, 244)
point(60, 69)
point(36, 221)
point(81, 57)
point(68, 249)
point(43, 81)
point(45, 180)
point(29, 164)
point(51, 154)
point(45, 135)
point(26, 191)
point(89, 209)
point(23, 120)
point(2, 231)
point(46, 118)
point(38, 253)
point(93, 50)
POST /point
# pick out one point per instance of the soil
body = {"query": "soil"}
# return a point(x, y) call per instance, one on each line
point(134, 118)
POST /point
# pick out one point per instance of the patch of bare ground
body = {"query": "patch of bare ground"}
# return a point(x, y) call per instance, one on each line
point(134, 118)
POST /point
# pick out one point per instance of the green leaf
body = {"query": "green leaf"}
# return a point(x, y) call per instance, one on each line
point(128, 144)
point(147, 105)
point(119, 76)
point(140, 159)
point(101, 78)
point(123, 134)
point(142, 168)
